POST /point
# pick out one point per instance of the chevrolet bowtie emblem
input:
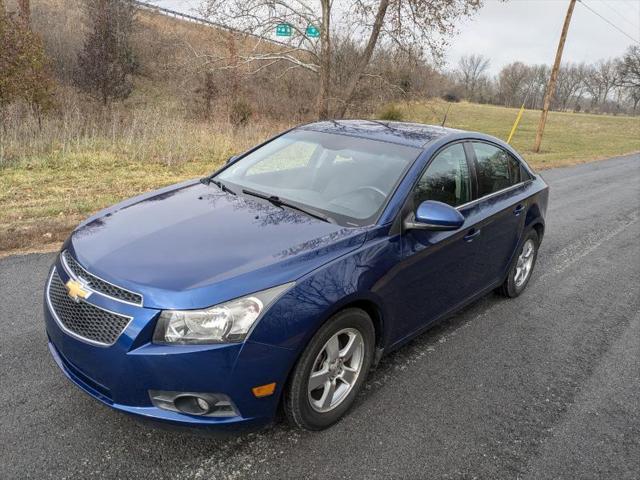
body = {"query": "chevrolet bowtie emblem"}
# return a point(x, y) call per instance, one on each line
point(77, 291)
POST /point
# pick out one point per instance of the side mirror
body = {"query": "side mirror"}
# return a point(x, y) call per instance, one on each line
point(432, 215)
point(231, 159)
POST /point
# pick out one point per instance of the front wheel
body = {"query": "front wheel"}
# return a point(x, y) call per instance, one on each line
point(330, 371)
point(520, 272)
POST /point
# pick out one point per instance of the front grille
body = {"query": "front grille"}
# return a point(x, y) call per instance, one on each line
point(83, 319)
point(97, 284)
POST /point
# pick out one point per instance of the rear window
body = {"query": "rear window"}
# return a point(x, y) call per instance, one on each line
point(496, 168)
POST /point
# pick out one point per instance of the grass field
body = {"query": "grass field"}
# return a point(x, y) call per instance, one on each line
point(44, 193)
point(569, 138)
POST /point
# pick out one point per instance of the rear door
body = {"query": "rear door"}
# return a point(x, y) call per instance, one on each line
point(500, 208)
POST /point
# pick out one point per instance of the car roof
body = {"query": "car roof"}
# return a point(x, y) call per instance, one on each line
point(404, 133)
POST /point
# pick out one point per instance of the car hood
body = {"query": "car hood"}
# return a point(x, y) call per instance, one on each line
point(192, 245)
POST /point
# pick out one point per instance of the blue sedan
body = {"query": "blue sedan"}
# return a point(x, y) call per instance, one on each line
point(282, 278)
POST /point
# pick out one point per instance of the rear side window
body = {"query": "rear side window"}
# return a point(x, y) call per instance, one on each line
point(447, 178)
point(496, 169)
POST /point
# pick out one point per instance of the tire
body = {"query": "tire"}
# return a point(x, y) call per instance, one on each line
point(312, 410)
point(513, 286)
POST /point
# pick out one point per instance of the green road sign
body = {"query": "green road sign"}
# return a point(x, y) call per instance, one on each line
point(283, 30)
point(312, 31)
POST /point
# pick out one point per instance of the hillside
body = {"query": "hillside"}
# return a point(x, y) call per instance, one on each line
point(173, 56)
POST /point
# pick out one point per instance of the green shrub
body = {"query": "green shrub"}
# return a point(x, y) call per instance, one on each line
point(391, 112)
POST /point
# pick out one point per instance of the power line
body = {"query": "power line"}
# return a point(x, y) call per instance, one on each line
point(608, 21)
point(610, 7)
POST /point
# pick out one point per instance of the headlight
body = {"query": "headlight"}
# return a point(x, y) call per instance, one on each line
point(224, 323)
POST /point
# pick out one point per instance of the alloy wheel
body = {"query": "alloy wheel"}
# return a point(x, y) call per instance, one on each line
point(336, 370)
point(524, 263)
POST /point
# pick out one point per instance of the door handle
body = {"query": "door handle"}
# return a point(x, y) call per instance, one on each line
point(473, 233)
point(518, 210)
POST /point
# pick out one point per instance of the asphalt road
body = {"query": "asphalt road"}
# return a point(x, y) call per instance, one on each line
point(543, 386)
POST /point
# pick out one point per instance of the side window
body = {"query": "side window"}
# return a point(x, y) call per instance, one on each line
point(496, 169)
point(446, 179)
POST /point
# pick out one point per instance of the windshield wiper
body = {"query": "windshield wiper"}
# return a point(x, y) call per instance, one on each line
point(217, 183)
point(277, 201)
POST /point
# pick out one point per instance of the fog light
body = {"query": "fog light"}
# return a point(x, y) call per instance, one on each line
point(191, 403)
point(202, 403)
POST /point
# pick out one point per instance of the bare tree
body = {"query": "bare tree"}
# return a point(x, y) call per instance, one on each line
point(405, 23)
point(470, 73)
point(629, 74)
point(629, 67)
point(512, 84)
point(106, 62)
point(600, 81)
point(633, 94)
point(536, 80)
point(571, 84)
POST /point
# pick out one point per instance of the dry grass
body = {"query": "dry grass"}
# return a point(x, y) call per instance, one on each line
point(81, 158)
point(54, 177)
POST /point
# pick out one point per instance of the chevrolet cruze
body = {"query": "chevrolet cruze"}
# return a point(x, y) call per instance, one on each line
point(282, 278)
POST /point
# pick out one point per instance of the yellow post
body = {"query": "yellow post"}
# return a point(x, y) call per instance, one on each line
point(515, 124)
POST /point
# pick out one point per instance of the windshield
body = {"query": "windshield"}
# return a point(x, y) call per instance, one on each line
point(347, 178)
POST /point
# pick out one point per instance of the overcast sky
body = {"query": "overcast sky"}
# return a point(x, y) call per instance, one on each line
point(528, 30)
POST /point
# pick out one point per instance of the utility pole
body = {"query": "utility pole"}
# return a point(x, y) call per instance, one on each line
point(551, 88)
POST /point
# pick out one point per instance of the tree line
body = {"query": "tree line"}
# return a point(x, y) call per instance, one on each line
point(606, 86)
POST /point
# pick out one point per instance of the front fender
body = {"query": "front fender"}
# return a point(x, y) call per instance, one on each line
point(346, 281)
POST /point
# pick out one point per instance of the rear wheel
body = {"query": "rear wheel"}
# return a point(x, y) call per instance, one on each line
point(522, 267)
point(330, 371)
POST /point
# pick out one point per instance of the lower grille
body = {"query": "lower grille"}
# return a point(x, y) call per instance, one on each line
point(83, 319)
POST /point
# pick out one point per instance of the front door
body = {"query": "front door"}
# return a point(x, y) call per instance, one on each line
point(436, 271)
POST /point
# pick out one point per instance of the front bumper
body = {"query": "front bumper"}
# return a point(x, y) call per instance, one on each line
point(121, 375)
